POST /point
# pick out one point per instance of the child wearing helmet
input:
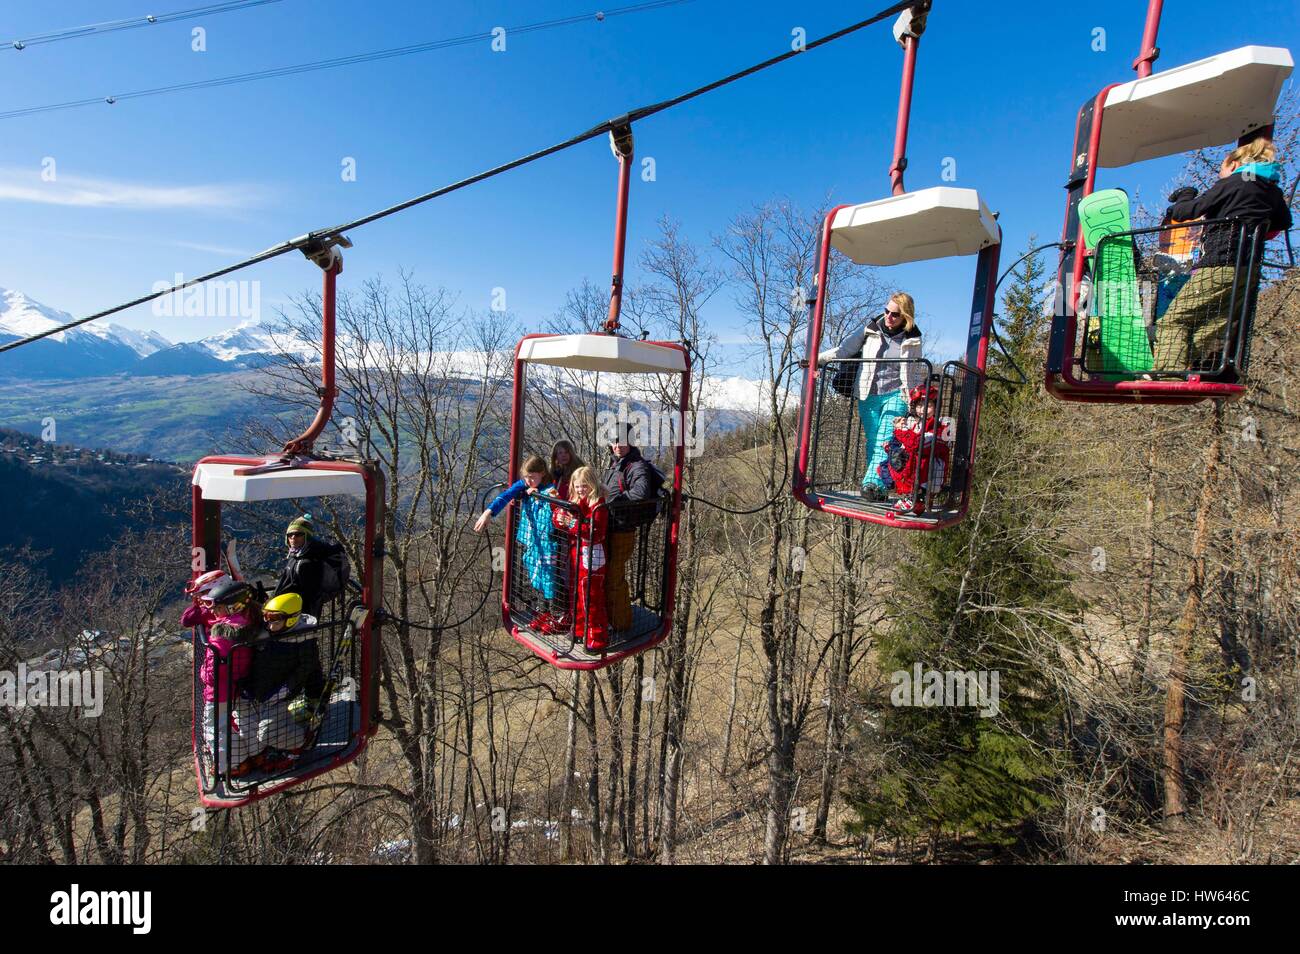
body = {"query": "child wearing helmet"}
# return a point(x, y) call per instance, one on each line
point(286, 671)
point(916, 436)
point(227, 716)
point(199, 590)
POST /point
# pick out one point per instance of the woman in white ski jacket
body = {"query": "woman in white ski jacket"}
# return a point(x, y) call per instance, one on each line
point(891, 351)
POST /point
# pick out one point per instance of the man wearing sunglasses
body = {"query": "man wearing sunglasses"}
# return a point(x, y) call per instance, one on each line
point(304, 565)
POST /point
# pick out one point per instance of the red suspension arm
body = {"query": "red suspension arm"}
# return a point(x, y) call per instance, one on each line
point(899, 164)
point(621, 142)
point(331, 262)
point(1149, 52)
point(908, 29)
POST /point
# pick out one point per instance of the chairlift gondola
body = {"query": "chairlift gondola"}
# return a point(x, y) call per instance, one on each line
point(332, 728)
point(1115, 282)
point(929, 224)
point(644, 384)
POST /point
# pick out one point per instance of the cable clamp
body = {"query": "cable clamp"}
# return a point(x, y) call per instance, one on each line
point(911, 23)
point(620, 137)
point(324, 250)
point(1148, 56)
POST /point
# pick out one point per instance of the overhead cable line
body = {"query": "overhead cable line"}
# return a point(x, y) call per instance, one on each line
point(318, 237)
point(131, 23)
point(339, 61)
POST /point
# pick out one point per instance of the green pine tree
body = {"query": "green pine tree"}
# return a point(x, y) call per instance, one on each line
point(988, 595)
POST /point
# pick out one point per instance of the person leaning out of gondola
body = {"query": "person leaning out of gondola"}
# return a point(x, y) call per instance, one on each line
point(538, 543)
point(890, 348)
point(1191, 333)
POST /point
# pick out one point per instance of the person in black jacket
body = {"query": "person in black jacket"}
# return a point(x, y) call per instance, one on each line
point(1192, 332)
point(304, 565)
point(632, 490)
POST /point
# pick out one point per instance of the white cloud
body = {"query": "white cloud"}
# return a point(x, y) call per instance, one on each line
point(150, 239)
point(26, 185)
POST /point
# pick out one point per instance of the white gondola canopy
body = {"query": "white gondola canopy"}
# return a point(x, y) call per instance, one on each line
point(592, 352)
point(219, 482)
point(917, 226)
point(1206, 103)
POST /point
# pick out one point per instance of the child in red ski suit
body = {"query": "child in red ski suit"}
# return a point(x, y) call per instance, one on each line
point(590, 525)
point(910, 440)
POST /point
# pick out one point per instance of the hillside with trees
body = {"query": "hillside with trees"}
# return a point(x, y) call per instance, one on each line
point(1128, 572)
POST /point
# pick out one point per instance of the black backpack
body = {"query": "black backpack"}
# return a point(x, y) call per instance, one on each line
point(335, 571)
point(631, 514)
point(844, 381)
point(846, 377)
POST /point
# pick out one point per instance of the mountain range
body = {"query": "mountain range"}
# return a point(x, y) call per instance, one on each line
point(104, 385)
point(97, 349)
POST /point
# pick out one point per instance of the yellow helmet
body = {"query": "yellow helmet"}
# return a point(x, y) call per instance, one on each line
point(286, 606)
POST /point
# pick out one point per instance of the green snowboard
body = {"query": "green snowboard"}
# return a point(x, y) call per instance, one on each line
point(1116, 337)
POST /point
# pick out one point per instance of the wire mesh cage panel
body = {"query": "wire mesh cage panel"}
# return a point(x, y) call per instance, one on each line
point(957, 417)
point(586, 587)
point(1172, 301)
point(283, 705)
point(838, 460)
point(569, 604)
point(887, 456)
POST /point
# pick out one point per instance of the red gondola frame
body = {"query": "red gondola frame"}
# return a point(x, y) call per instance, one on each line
point(520, 633)
point(1059, 377)
point(298, 456)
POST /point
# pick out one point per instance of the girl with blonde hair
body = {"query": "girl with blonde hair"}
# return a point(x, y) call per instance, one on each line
point(590, 525)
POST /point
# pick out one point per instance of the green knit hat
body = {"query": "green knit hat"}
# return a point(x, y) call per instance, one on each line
point(302, 523)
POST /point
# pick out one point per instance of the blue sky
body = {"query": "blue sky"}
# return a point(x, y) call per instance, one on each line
point(186, 182)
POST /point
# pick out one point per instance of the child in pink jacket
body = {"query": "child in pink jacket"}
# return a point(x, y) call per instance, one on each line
point(229, 728)
point(199, 612)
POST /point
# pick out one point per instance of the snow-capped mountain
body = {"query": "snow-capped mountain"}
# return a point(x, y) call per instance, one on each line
point(245, 347)
point(97, 349)
point(92, 349)
point(249, 339)
point(100, 348)
point(144, 343)
point(21, 316)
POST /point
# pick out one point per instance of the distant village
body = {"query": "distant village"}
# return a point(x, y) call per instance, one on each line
point(30, 449)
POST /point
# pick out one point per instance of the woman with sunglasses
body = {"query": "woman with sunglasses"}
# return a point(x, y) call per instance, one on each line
point(891, 350)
